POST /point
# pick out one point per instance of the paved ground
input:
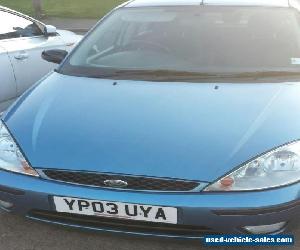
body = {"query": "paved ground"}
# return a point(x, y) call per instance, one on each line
point(76, 25)
point(21, 234)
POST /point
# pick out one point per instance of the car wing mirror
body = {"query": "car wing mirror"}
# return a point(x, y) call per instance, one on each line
point(50, 30)
point(54, 56)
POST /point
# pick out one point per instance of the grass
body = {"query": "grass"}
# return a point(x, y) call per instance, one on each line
point(65, 8)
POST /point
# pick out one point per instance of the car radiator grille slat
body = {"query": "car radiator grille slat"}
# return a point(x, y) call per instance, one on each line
point(134, 183)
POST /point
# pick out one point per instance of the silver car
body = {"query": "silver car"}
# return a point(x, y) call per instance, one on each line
point(22, 40)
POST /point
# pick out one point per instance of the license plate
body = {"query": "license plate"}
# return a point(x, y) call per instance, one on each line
point(118, 210)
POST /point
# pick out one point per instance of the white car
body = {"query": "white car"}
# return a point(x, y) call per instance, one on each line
point(22, 41)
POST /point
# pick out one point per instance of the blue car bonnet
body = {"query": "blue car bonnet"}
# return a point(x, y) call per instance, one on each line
point(179, 130)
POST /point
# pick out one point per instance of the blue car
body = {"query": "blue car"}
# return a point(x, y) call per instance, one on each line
point(172, 118)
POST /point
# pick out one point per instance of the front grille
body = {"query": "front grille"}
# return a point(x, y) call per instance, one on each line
point(121, 225)
point(134, 183)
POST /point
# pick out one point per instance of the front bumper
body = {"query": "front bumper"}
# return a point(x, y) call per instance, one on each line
point(209, 212)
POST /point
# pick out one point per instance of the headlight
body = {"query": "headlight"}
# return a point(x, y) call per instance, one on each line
point(276, 168)
point(11, 158)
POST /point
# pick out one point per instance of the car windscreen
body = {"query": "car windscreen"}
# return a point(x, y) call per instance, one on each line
point(190, 42)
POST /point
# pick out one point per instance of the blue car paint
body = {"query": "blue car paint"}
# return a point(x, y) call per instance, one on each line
point(174, 130)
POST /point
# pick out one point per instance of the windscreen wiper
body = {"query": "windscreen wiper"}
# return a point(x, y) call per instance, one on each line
point(169, 75)
point(160, 75)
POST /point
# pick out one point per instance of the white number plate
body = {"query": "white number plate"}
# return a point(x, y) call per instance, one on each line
point(116, 210)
